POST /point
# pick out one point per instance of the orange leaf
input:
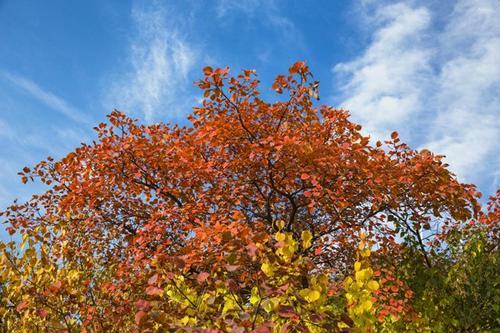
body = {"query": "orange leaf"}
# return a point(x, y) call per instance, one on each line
point(21, 306)
point(208, 70)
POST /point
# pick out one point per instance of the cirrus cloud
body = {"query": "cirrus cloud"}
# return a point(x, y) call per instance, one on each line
point(158, 62)
point(440, 85)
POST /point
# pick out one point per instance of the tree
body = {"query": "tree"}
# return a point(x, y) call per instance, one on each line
point(248, 220)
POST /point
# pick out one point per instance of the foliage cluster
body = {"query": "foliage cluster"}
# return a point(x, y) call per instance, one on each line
point(260, 217)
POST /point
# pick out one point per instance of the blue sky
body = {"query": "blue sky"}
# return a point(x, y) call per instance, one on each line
point(429, 69)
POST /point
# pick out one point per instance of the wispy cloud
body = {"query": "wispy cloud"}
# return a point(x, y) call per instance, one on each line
point(248, 7)
point(269, 12)
point(158, 62)
point(5, 130)
point(467, 126)
point(382, 87)
point(51, 100)
point(440, 86)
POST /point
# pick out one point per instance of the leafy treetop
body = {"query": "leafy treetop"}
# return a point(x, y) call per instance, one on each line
point(209, 214)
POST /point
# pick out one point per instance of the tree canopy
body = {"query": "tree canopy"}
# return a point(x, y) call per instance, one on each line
point(259, 217)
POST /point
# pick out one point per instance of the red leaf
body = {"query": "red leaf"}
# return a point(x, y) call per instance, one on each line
point(232, 285)
point(138, 317)
point(55, 286)
point(153, 291)
point(287, 312)
point(153, 279)
point(232, 268)
point(42, 313)
point(202, 277)
point(143, 305)
point(252, 249)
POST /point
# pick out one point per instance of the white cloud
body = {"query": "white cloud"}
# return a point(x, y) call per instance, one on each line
point(248, 7)
point(269, 12)
point(159, 61)
point(467, 127)
point(439, 87)
point(46, 97)
point(382, 87)
point(5, 130)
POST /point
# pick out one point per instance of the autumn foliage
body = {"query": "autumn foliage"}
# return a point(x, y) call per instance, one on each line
point(259, 217)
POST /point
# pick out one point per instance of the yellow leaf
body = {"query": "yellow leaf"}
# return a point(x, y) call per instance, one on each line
point(254, 298)
point(313, 295)
point(228, 305)
point(268, 305)
point(280, 224)
point(306, 239)
point(280, 237)
point(267, 269)
point(366, 305)
point(357, 266)
point(73, 274)
point(323, 279)
point(360, 275)
point(23, 243)
point(288, 251)
point(373, 285)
